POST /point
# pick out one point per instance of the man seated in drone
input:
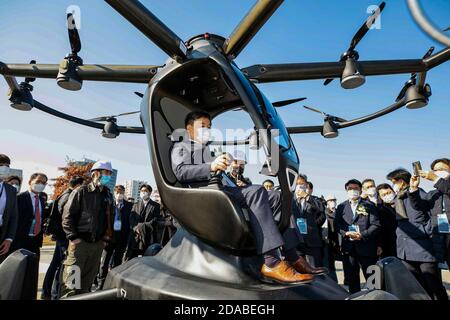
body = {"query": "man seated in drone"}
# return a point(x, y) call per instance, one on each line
point(193, 165)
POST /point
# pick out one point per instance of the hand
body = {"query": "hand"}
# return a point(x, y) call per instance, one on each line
point(429, 175)
point(414, 183)
point(221, 163)
point(4, 247)
point(350, 234)
point(356, 236)
point(240, 183)
point(379, 251)
point(75, 242)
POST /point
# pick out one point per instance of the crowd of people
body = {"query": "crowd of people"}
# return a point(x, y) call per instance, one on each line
point(96, 229)
point(93, 228)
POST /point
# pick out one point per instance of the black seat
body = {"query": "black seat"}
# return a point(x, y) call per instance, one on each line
point(208, 213)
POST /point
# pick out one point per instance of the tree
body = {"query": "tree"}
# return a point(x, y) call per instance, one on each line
point(70, 170)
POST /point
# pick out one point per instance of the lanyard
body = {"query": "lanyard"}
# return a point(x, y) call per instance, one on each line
point(443, 203)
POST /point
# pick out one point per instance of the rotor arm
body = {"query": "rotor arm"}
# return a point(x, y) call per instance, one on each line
point(310, 129)
point(324, 70)
point(154, 29)
point(258, 15)
point(87, 123)
point(91, 72)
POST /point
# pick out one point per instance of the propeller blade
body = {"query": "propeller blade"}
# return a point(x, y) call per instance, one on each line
point(429, 52)
point(125, 114)
point(338, 119)
point(315, 110)
point(327, 82)
point(74, 37)
point(283, 103)
point(139, 94)
point(402, 92)
point(28, 80)
point(366, 27)
point(99, 119)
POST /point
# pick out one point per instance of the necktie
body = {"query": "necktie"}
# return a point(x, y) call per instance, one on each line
point(37, 215)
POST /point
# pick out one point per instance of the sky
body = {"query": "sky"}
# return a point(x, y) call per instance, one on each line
point(299, 31)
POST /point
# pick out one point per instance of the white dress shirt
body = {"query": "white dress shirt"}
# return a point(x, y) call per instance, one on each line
point(354, 205)
point(2, 201)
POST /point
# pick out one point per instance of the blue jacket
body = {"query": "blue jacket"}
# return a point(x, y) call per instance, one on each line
point(414, 233)
point(369, 226)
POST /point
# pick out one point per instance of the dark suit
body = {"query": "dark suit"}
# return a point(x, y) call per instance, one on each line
point(143, 218)
point(26, 217)
point(10, 216)
point(191, 163)
point(387, 238)
point(359, 253)
point(421, 233)
point(117, 247)
point(331, 250)
point(314, 214)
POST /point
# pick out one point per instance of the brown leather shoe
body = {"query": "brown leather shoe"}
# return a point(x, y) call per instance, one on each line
point(284, 273)
point(302, 266)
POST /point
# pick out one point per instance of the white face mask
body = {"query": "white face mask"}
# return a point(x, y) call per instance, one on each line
point(300, 187)
point(396, 188)
point(442, 174)
point(371, 192)
point(388, 198)
point(4, 171)
point(17, 187)
point(38, 187)
point(353, 194)
point(331, 205)
point(144, 195)
point(119, 196)
point(203, 135)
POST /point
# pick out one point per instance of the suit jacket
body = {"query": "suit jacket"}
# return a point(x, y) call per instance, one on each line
point(191, 163)
point(369, 226)
point(10, 215)
point(26, 216)
point(387, 238)
point(144, 218)
point(314, 215)
point(414, 241)
point(433, 202)
point(121, 237)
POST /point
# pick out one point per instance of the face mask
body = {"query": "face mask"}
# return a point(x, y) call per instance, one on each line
point(203, 135)
point(331, 205)
point(17, 187)
point(119, 196)
point(442, 174)
point(371, 192)
point(38, 187)
point(396, 188)
point(4, 170)
point(389, 198)
point(300, 187)
point(104, 180)
point(144, 195)
point(353, 194)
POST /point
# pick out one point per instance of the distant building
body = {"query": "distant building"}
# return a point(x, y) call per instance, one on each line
point(132, 188)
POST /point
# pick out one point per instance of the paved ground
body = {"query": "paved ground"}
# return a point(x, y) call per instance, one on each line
point(47, 252)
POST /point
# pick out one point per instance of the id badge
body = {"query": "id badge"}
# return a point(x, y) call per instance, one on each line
point(117, 225)
point(443, 225)
point(302, 225)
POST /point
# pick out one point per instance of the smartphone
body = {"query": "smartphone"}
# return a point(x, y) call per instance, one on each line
point(416, 168)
